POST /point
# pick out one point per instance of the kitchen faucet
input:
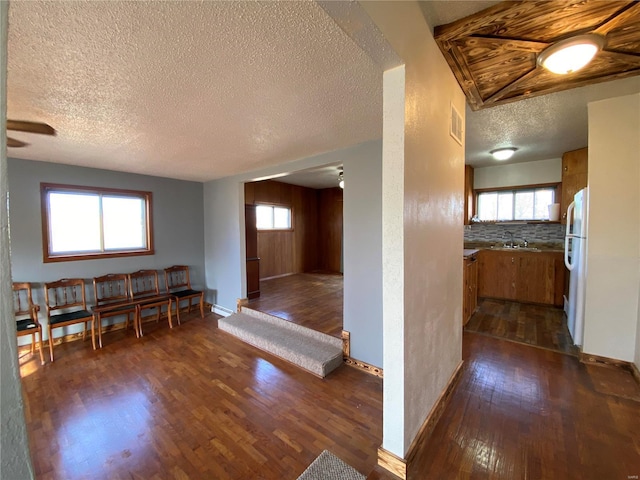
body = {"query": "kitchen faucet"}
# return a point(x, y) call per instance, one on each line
point(510, 244)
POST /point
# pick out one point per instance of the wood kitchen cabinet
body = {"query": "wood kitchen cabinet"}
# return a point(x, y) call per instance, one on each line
point(574, 177)
point(470, 287)
point(469, 196)
point(496, 274)
point(529, 277)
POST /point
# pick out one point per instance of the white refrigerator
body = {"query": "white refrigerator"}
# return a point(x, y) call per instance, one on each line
point(575, 258)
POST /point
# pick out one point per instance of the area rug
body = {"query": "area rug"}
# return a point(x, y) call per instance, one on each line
point(329, 467)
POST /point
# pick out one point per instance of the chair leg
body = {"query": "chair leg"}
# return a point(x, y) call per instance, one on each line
point(33, 343)
point(138, 321)
point(169, 314)
point(84, 332)
point(202, 306)
point(41, 347)
point(177, 300)
point(50, 343)
point(93, 332)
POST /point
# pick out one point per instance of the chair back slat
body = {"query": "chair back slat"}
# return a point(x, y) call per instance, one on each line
point(23, 300)
point(111, 288)
point(177, 277)
point(65, 293)
point(143, 283)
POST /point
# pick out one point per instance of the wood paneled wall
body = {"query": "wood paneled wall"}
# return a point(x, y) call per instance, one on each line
point(330, 229)
point(315, 243)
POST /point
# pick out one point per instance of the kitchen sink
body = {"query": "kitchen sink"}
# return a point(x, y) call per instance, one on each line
point(516, 248)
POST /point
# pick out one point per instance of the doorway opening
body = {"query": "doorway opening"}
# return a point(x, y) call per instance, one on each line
point(295, 267)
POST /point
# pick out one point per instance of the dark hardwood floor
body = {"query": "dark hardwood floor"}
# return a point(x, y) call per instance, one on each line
point(313, 300)
point(196, 403)
point(536, 325)
point(192, 403)
point(529, 413)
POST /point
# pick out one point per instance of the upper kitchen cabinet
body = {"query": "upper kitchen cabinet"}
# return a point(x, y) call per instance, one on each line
point(574, 177)
point(469, 197)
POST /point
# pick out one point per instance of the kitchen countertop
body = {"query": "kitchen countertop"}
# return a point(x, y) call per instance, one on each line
point(532, 247)
point(468, 252)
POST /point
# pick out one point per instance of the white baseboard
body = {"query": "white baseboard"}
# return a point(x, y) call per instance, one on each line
point(566, 305)
point(225, 312)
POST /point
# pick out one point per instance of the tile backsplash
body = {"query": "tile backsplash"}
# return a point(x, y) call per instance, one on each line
point(533, 232)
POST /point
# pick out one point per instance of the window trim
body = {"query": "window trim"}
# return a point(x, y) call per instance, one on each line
point(49, 257)
point(280, 205)
point(536, 186)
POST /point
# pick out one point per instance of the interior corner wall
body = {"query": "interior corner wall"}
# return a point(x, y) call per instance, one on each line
point(15, 461)
point(177, 225)
point(363, 254)
point(433, 223)
point(613, 237)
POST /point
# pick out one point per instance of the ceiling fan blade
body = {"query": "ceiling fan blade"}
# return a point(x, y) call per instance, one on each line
point(30, 127)
point(12, 142)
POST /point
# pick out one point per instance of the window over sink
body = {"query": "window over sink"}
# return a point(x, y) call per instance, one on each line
point(518, 204)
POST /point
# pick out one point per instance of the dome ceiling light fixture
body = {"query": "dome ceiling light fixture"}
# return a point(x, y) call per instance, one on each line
point(503, 153)
point(341, 179)
point(571, 54)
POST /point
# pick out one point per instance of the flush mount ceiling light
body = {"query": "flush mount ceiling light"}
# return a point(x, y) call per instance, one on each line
point(570, 55)
point(503, 153)
point(341, 179)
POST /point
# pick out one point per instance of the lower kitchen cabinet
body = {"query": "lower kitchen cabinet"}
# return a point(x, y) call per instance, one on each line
point(470, 289)
point(530, 277)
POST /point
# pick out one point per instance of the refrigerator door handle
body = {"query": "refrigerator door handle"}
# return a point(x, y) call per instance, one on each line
point(568, 236)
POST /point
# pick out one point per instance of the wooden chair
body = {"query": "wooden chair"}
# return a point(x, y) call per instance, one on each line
point(23, 306)
point(143, 288)
point(66, 294)
point(113, 299)
point(179, 286)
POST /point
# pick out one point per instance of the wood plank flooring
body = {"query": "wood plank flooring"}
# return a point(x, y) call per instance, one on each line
point(196, 403)
point(192, 403)
point(313, 300)
point(528, 413)
point(536, 325)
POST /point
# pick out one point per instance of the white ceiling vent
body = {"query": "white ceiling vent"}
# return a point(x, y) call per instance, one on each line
point(455, 125)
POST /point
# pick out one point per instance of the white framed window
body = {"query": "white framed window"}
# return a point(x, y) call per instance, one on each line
point(522, 204)
point(86, 222)
point(273, 217)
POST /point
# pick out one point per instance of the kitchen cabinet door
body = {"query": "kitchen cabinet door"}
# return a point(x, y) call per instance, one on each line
point(469, 195)
point(470, 288)
point(497, 274)
point(535, 282)
point(574, 177)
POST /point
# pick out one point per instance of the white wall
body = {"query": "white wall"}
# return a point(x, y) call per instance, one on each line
point(177, 224)
point(613, 245)
point(225, 241)
point(515, 174)
point(362, 214)
point(15, 462)
point(432, 223)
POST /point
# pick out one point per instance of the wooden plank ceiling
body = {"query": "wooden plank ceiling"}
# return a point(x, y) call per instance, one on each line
point(493, 53)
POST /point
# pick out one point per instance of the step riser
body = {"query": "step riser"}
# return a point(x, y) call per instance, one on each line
point(313, 351)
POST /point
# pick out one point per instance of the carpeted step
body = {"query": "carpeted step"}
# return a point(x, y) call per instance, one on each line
point(314, 351)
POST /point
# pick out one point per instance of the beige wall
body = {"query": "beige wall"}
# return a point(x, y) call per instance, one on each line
point(14, 447)
point(422, 326)
point(515, 174)
point(613, 241)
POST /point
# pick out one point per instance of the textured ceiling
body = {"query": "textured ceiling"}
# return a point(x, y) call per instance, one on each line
point(204, 90)
point(189, 90)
